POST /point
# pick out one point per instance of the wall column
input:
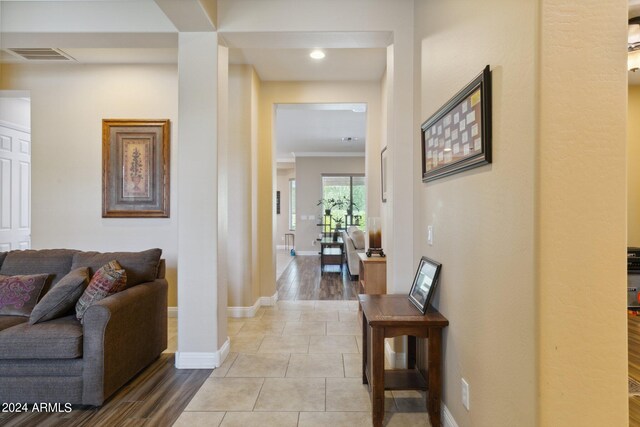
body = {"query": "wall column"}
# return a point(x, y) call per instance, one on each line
point(198, 325)
point(401, 263)
point(581, 214)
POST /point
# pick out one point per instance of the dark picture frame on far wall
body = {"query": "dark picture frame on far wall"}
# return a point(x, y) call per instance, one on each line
point(383, 174)
point(424, 283)
point(458, 136)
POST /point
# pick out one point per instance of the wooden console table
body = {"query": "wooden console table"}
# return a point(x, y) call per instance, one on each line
point(388, 316)
point(373, 274)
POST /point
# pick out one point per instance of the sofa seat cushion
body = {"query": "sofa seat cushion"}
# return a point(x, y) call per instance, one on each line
point(141, 266)
point(39, 367)
point(55, 262)
point(56, 339)
point(9, 321)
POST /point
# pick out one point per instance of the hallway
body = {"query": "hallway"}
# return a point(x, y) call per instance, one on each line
point(302, 280)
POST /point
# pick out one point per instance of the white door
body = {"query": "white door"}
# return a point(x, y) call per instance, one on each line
point(15, 188)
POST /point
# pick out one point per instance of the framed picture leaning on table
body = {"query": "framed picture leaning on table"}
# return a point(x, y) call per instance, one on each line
point(424, 283)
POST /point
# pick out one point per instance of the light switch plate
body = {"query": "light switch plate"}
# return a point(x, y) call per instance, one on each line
point(465, 393)
point(430, 235)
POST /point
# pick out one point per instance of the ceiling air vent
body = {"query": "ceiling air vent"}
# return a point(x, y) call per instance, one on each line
point(40, 54)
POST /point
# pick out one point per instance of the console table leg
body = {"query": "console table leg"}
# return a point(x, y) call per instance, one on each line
point(435, 375)
point(377, 375)
point(365, 349)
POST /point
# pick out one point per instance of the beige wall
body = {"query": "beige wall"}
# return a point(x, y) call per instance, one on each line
point(68, 104)
point(633, 167)
point(529, 322)
point(309, 172)
point(239, 208)
point(483, 219)
point(282, 227)
point(581, 214)
point(15, 110)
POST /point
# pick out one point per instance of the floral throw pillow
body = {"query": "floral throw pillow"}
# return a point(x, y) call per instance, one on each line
point(19, 294)
point(108, 280)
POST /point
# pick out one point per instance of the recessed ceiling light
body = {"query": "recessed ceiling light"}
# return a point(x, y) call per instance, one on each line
point(317, 54)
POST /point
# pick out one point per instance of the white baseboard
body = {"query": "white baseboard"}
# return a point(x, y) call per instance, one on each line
point(281, 246)
point(172, 311)
point(244, 311)
point(447, 418)
point(201, 360)
point(269, 301)
point(395, 360)
point(307, 253)
point(251, 311)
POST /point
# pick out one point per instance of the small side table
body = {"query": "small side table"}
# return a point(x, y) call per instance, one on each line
point(331, 252)
point(387, 316)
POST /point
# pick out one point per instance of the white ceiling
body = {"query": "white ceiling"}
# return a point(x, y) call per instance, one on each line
point(317, 130)
point(296, 65)
point(146, 31)
point(109, 56)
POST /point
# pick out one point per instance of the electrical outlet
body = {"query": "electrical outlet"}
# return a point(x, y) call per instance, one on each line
point(465, 393)
point(430, 235)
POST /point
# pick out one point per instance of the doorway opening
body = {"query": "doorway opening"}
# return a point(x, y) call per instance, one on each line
point(321, 147)
point(15, 170)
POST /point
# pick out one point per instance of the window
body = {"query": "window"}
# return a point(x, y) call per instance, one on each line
point(352, 189)
point(292, 204)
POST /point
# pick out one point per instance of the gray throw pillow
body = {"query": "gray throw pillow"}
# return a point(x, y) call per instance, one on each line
point(62, 297)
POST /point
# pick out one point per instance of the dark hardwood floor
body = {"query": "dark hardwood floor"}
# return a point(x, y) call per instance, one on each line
point(156, 397)
point(302, 280)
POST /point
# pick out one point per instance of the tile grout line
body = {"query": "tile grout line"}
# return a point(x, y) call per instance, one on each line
point(325, 394)
point(286, 371)
point(258, 396)
point(223, 417)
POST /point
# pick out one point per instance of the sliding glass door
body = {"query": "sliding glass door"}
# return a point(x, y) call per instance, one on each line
point(350, 189)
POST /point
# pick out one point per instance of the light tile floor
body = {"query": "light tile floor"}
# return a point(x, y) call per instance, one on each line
point(296, 364)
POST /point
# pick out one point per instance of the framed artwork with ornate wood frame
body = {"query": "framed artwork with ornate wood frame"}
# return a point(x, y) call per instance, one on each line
point(135, 168)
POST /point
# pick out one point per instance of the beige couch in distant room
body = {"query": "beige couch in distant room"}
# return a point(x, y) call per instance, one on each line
point(354, 243)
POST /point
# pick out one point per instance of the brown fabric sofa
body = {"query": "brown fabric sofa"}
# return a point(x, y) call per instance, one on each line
point(64, 361)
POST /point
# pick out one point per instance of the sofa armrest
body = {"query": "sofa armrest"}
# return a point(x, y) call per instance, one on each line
point(123, 333)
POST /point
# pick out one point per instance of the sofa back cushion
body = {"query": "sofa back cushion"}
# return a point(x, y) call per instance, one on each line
point(19, 294)
point(141, 266)
point(54, 262)
point(357, 236)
